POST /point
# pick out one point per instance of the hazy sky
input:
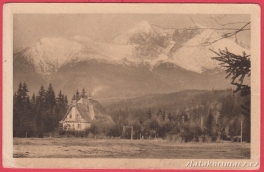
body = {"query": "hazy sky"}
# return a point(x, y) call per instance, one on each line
point(103, 27)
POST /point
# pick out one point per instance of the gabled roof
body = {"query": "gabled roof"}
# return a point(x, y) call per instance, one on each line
point(84, 112)
point(82, 107)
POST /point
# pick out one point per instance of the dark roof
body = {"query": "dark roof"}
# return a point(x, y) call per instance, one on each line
point(84, 112)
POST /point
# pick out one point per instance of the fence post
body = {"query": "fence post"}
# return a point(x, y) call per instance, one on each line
point(241, 133)
point(132, 132)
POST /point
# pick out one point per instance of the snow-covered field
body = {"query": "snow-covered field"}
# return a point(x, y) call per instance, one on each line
point(117, 148)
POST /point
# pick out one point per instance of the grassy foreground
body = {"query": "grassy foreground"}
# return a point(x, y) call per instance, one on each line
point(116, 148)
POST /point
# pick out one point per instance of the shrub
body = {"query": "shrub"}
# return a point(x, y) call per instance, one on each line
point(62, 132)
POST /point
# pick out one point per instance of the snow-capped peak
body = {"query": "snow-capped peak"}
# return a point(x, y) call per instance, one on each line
point(141, 27)
point(188, 49)
point(195, 54)
point(48, 54)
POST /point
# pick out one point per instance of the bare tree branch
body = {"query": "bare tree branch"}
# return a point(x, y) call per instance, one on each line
point(227, 35)
point(220, 17)
point(193, 21)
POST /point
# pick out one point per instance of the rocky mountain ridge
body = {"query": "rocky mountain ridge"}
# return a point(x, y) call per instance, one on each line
point(146, 59)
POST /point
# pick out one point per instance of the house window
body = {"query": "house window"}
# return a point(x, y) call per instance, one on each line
point(70, 116)
point(79, 126)
point(67, 127)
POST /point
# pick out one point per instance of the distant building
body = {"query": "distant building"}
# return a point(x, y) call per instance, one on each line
point(80, 115)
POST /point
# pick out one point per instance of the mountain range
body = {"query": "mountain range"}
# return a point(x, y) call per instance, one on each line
point(144, 60)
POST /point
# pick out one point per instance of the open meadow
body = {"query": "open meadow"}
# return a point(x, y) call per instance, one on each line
point(121, 148)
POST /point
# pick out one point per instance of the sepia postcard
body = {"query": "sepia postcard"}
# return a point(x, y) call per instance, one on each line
point(131, 86)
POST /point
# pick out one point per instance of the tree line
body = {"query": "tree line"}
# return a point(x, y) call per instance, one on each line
point(77, 96)
point(39, 114)
point(218, 118)
point(207, 116)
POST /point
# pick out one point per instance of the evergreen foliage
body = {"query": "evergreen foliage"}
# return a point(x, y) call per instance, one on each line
point(40, 114)
point(77, 95)
point(83, 95)
point(238, 67)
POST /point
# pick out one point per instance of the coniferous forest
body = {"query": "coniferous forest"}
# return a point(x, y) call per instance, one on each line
point(39, 114)
point(191, 115)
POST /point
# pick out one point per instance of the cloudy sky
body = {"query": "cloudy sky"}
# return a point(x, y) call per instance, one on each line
point(103, 27)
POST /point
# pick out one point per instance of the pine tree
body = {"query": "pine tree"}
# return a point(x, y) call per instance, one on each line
point(25, 106)
point(83, 95)
point(19, 96)
point(16, 117)
point(60, 99)
point(33, 113)
point(61, 105)
point(74, 97)
point(40, 109)
point(61, 108)
point(50, 97)
point(21, 111)
point(78, 97)
point(24, 90)
point(49, 118)
point(20, 89)
point(65, 100)
point(41, 97)
point(33, 99)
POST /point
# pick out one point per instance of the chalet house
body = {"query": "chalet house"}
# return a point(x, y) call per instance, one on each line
point(79, 116)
